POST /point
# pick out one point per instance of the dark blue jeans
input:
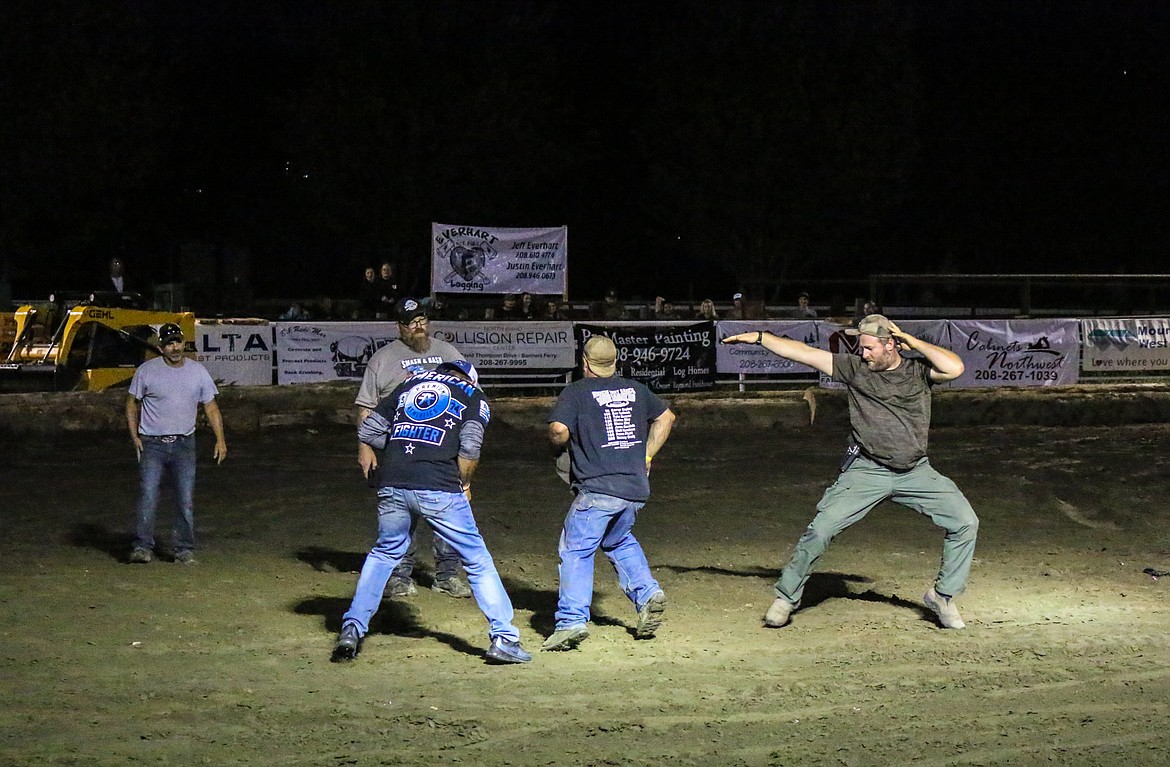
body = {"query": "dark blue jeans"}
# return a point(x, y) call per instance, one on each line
point(160, 456)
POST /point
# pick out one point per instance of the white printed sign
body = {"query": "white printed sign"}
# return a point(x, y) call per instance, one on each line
point(314, 352)
point(235, 354)
point(1130, 345)
point(756, 360)
point(1017, 352)
point(532, 345)
point(485, 259)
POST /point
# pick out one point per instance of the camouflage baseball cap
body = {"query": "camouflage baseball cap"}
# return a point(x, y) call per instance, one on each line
point(875, 325)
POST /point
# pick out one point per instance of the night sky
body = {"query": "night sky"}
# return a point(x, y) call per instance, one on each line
point(691, 147)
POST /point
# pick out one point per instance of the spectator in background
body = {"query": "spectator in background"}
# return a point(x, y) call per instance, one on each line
point(295, 312)
point(509, 310)
point(803, 310)
point(736, 308)
point(325, 308)
point(369, 295)
point(387, 291)
point(565, 312)
point(664, 310)
point(706, 310)
point(436, 308)
point(527, 311)
point(865, 307)
point(610, 308)
point(117, 281)
point(551, 310)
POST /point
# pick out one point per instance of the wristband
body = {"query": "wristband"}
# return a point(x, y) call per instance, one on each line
point(760, 338)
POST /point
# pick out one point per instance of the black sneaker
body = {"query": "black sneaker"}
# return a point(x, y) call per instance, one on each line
point(348, 644)
point(504, 651)
point(452, 587)
point(140, 556)
point(185, 558)
point(400, 587)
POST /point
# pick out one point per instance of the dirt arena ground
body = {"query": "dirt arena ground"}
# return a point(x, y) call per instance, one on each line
point(1066, 659)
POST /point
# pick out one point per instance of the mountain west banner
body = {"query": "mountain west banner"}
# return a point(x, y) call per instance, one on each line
point(1125, 344)
point(484, 259)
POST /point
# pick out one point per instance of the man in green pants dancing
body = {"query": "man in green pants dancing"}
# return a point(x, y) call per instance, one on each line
point(889, 411)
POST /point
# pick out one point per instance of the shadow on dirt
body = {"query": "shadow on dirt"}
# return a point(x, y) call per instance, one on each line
point(392, 619)
point(90, 535)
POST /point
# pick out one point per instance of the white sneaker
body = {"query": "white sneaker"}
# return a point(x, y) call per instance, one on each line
point(780, 613)
point(944, 608)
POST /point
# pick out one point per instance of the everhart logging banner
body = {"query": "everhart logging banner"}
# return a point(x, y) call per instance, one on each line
point(493, 259)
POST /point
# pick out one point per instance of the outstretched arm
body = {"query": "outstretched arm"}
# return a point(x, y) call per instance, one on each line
point(945, 365)
point(818, 359)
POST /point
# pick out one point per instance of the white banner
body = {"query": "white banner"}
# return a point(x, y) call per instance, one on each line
point(483, 259)
point(756, 360)
point(1125, 345)
point(235, 354)
point(313, 352)
point(1017, 352)
point(532, 345)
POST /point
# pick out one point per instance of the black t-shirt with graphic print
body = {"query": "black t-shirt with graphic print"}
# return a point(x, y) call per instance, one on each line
point(422, 419)
point(608, 420)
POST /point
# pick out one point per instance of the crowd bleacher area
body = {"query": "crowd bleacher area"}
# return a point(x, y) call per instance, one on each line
point(901, 295)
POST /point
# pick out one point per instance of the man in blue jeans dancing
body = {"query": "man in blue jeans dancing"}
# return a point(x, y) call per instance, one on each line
point(428, 434)
point(613, 428)
point(889, 411)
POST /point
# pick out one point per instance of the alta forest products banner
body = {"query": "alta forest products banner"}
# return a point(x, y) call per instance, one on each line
point(492, 259)
point(666, 357)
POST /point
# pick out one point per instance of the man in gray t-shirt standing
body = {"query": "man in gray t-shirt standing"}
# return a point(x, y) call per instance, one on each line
point(414, 351)
point(165, 394)
point(889, 411)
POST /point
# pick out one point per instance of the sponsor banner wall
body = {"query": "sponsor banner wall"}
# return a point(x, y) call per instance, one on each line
point(487, 259)
point(235, 354)
point(667, 357)
point(1017, 352)
point(528, 344)
point(1124, 345)
point(313, 352)
point(756, 360)
point(834, 339)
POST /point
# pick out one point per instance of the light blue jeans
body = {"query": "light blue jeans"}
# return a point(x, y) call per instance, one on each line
point(177, 458)
point(600, 521)
point(449, 516)
point(863, 486)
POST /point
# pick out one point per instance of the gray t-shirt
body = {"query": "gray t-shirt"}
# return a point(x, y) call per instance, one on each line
point(170, 396)
point(394, 363)
point(888, 410)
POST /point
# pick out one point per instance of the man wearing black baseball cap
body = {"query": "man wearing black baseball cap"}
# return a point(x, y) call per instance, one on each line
point(889, 411)
point(414, 351)
point(160, 412)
